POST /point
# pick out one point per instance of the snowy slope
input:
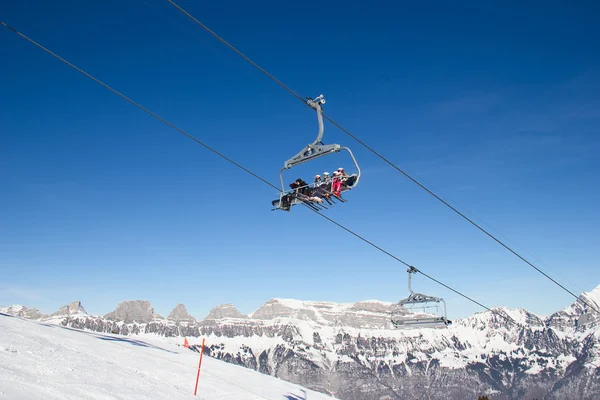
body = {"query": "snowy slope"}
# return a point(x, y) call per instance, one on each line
point(46, 361)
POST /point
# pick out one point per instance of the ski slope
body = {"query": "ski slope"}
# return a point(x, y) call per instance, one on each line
point(46, 361)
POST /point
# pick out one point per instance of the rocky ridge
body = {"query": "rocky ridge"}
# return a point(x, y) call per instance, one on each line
point(139, 311)
point(22, 311)
point(180, 314)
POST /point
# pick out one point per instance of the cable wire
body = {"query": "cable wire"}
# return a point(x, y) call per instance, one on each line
point(243, 168)
point(408, 265)
point(238, 52)
point(136, 104)
point(382, 157)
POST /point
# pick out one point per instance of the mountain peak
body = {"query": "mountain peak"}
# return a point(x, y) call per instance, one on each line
point(224, 311)
point(133, 311)
point(579, 315)
point(18, 310)
point(593, 296)
point(75, 308)
point(180, 313)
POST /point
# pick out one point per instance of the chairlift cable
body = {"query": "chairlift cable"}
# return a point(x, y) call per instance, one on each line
point(238, 52)
point(508, 318)
point(136, 104)
point(408, 265)
point(384, 158)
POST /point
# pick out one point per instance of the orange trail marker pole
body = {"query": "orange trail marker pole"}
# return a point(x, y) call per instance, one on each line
point(199, 364)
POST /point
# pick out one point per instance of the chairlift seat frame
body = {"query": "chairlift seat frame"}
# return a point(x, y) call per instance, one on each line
point(401, 320)
point(312, 151)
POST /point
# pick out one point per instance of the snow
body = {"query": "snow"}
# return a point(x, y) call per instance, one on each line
point(593, 296)
point(44, 361)
point(319, 306)
point(535, 369)
point(296, 304)
point(519, 315)
point(373, 301)
point(14, 309)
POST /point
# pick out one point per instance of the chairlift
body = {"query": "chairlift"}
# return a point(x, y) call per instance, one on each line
point(316, 149)
point(403, 317)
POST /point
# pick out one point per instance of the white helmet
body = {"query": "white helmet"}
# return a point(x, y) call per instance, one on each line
point(317, 176)
point(340, 169)
point(326, 173)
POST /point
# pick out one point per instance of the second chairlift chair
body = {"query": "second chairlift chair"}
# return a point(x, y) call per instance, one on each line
point(403, 318)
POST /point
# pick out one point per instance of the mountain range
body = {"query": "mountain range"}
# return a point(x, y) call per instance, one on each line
point(351, 351)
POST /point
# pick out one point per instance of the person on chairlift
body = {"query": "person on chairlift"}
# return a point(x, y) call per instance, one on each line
point(300, 186)
point(318, 181)
point(286, 200)
point(347, 180)
point(319, 190)
point(336, 186)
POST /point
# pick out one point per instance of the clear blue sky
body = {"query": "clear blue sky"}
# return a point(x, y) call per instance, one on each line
point(496, 109)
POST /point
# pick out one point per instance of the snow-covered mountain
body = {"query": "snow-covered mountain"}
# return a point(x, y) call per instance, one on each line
point(351, 351)
point(75, 309)
point(19, 310)
point(579, 316)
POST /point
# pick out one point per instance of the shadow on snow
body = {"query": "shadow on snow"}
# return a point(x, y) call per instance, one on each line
point(291, 396)
point(123, 339)
point(100, 335)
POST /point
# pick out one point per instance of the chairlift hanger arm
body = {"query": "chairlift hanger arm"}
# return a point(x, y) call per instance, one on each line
point(411, 270)
point(316, 148)
point(316, 104)
point(417, 297)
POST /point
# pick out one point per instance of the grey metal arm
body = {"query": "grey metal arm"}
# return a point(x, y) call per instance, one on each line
point(317, 148)
point(356, 165)
point(316, 104)
point(417, 297)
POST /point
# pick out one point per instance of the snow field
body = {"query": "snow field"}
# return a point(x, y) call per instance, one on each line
point(46, 361)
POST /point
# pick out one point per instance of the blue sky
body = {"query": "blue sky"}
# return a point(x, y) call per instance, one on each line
point(495, 109)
